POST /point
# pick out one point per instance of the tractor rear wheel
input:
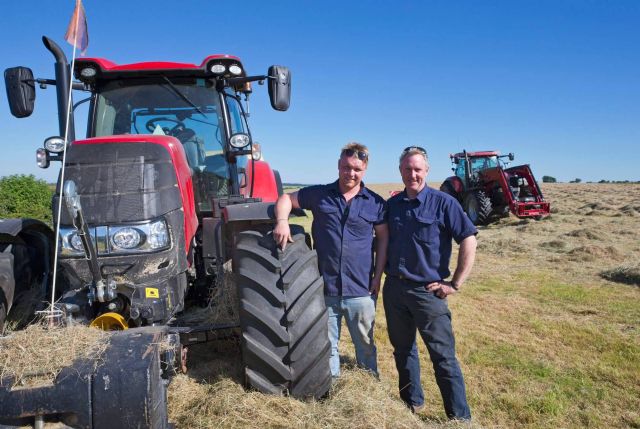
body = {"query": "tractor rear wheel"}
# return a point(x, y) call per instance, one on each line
point(477, 205)
point(285, 343)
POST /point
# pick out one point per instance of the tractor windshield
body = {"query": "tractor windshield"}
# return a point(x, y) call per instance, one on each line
point(187, 109)
point(476, 163)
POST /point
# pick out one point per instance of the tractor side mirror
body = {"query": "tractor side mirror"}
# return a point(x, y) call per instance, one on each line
point(21, 91)
point(279, 87)
point(511, 156)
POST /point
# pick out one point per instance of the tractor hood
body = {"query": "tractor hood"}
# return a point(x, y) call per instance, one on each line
point(130, 178)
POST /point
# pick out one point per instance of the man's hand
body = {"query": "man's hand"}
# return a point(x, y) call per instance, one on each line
point(282, 233)
point(441, 289)
point(374, 286)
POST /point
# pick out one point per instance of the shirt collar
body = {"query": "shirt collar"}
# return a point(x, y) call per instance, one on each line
point(363, 192)
point(422, 195)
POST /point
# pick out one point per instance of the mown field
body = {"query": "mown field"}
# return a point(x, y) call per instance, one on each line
point(547, 330)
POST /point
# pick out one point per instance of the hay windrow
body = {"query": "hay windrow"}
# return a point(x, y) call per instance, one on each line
point(35, 356)
point(355, 401)
point(627, 274)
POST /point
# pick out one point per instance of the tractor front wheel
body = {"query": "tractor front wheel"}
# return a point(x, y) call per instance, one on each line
point(285, 344)
point(477, 205)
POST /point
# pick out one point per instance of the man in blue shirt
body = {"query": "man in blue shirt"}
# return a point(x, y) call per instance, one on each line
point(345, 216)
point(422, 224)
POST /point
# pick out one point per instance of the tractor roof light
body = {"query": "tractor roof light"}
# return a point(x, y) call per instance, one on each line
point(42, 158)
point(239, 140)
point(235, 69)
point(218, 69)
point(54, 144)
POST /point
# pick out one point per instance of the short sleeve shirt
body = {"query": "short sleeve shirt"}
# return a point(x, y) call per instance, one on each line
point(420, 234)
point(343, 236)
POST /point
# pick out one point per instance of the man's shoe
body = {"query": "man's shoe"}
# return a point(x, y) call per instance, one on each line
point(415, 409)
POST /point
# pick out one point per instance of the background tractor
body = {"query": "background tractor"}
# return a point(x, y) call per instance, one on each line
point(165, 190)
point(487, 189)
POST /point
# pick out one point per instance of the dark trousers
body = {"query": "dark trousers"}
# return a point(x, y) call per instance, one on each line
point(408, 305)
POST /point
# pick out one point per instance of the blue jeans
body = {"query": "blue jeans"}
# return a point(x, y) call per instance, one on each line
point(408, 305)
point(359, 314)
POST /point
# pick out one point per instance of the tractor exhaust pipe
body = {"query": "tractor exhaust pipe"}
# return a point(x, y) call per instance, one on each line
point(63, 82)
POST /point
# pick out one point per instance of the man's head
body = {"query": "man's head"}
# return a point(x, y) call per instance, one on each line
point(414, 166)
point(352, 164)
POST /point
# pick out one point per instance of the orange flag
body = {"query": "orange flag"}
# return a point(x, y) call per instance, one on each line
point(77, 32)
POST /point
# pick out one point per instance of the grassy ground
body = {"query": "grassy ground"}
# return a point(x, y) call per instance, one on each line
point(544, 338)
point(547, 328)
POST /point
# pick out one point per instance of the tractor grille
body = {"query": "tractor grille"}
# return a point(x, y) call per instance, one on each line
point(121, 182)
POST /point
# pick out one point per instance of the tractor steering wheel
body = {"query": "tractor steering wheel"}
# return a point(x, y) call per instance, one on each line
point(173, 131)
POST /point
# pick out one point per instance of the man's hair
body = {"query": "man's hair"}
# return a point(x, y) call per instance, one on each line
point(356, 149)
point(414, 150)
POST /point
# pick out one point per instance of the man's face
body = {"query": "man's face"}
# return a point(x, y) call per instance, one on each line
point(350, 171)
point(413, 170)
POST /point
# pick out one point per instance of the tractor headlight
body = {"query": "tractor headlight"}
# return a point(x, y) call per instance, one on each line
point(54, 144)
point(239, 140)
point(119, 239)
point(42, 158)
point(126, 238)
point(76, 242)
point(218, 69)
point(158, 235)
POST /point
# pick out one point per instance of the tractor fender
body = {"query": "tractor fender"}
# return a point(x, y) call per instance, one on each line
point(453, 183)
point(262, 181)
point(249, 211)
point(26, 251)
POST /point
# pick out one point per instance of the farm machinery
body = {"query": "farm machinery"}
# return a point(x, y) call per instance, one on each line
point(166, 189)
point(487, 188)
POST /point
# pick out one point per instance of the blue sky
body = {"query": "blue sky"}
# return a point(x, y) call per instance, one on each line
point(555, 82)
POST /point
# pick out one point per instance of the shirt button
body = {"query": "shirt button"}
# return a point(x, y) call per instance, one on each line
point(408, 213)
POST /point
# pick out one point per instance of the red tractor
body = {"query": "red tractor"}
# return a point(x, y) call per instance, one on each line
point(166, 188)
point(486, 188)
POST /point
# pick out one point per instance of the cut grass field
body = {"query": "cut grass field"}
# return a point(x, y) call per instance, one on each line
point(544, 336)
point(547, 331)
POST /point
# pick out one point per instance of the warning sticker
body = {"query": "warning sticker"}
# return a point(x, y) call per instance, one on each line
point(151, 292)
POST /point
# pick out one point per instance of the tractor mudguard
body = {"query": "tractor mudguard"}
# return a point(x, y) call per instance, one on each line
point(125, 390)
point(249, 211)
point(26, 253)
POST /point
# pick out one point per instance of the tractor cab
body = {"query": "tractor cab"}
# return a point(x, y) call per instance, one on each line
point(468, 165)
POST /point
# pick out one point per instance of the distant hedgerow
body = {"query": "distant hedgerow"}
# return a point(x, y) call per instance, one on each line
point(24, 196)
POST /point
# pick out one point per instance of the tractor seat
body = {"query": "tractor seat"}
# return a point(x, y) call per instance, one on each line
point(193, 148)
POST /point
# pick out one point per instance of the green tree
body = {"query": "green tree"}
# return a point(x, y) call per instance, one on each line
point(23, 195)
point(548, 179)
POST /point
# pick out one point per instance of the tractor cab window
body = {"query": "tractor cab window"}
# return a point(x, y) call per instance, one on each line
point(460, 168)
point(187, 109)
point(482, 163)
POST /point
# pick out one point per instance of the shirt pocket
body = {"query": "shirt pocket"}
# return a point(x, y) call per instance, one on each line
point(362, 225)
point(427, 229)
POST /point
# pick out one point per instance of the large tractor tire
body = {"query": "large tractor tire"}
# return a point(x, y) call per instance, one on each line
point(477, 205)
point(285, 343)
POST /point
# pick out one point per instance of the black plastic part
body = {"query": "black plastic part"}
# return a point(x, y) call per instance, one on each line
point(279, 87)
point(21, 91)
point(249, 211)
point(126, 390)
point(285, 344)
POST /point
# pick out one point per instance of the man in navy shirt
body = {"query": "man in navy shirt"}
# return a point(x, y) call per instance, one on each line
point(422, 224)
point(345, 216)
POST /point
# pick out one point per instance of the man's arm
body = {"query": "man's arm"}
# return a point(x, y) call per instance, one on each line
point(382, 240)
point(284, 205)
point(466, 258)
